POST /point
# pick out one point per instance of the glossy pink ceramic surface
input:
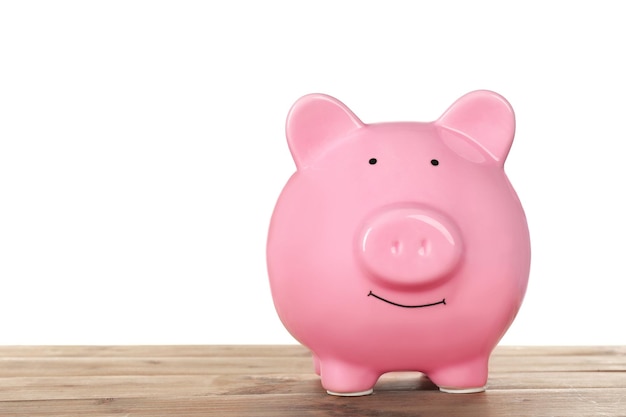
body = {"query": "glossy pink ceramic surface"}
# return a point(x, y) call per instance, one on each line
point(399, 246)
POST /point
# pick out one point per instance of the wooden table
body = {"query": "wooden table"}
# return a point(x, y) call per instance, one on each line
point(279, 381)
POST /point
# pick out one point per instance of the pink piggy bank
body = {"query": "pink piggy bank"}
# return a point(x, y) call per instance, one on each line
point(399, 246)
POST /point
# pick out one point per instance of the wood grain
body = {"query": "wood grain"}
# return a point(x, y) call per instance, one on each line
point(279, 381)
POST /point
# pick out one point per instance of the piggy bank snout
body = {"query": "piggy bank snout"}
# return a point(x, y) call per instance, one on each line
point(410, 246)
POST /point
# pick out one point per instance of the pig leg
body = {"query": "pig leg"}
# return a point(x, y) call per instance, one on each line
point(462, 378)
point(348, 380)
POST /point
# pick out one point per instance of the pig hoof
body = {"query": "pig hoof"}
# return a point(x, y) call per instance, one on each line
point(351, 394)
point(451, 390)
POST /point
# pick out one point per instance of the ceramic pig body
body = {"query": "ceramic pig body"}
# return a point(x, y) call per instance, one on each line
point(399, 246)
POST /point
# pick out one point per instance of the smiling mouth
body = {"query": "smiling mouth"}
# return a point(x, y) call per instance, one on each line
point(406, 306)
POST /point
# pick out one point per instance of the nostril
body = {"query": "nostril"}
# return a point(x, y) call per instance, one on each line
point(396, 248)
point(424, 248)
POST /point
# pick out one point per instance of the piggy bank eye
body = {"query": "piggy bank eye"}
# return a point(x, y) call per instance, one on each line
point(434, 162)
point(373, 161)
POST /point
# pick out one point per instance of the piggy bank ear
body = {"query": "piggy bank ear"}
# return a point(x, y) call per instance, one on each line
point(486, 118)
point(315, 121)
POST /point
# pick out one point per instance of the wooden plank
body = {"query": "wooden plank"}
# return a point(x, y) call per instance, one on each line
point(156, 351)
point(101, 366)
point(281, 351)
point(165, 365)
point(556, 363)
point(538, 403)
point(268, 350)
point(89, 387)
point(502, 353)
point(560, 351)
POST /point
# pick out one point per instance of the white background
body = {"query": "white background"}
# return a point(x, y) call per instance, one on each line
point(142, 150)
